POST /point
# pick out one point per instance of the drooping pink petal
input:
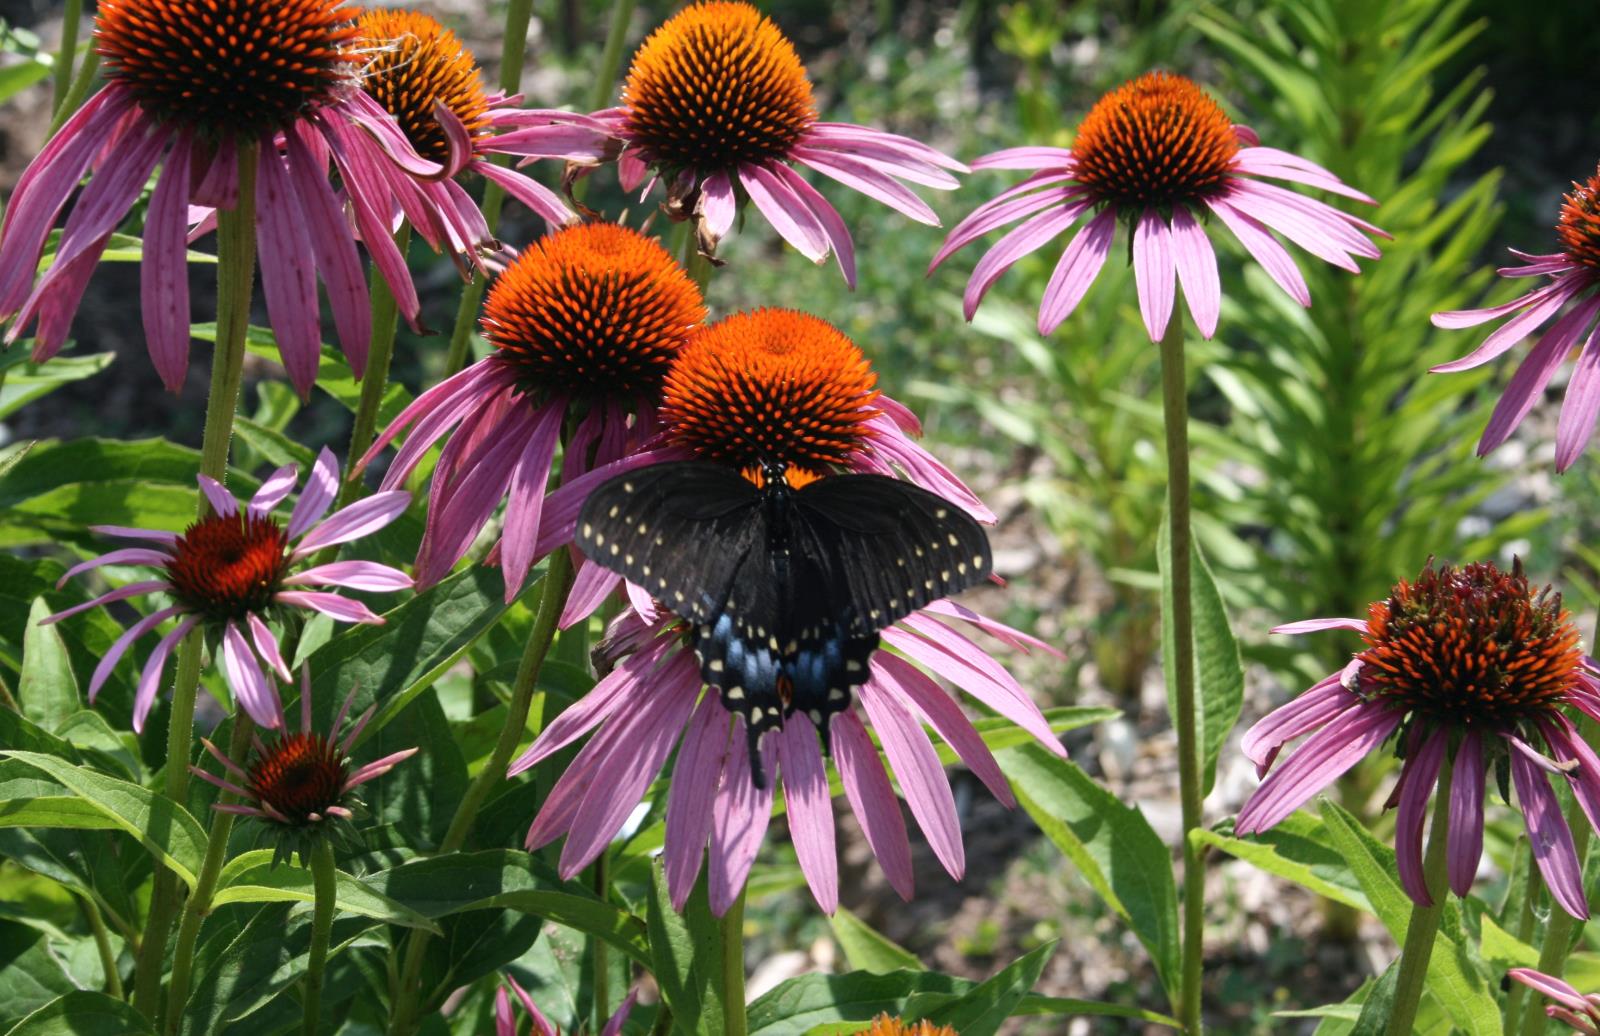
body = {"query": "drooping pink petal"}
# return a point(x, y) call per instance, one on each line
point(1005, 696)
point(124, 556)
point(334, 249)
point(1197, 270)
point(540, 200)
point(846, 136)
point(267, 647)
point(435, 412)
point(1454, 320)
point(631, 681)
point(221, 501)
point(892, 448)
point(362, 518)
point(1550, 986)
point(1514, 330)
point(614, 1024)
point(164, 268)
point(288, 270)
point(1265, 249)
point(1008, 207)
point(144, 697)
point(933, 706)
point(1465, 847)
point(649, 735)
point(1567, 746)
point(1548, 835)
point(119, 647)
point(872, 800)
point(1319, 625)
point(251, 687)
point(1154, 271)
point(590, 589)
point(1324, 702)
point(1418, 776)
point(1030, 157)
point(922, 779)
point(827, 217)
point(1533, 374)
point(1027, 237)
point(863, 177)
point(810, 809)
point(1078, 267)
point(525, 499)
point(356, 575)
point(341, 608)
point(127, 533)
point(219, 187)
point(369, 192)
point(1324, 758)
point(1319, 239)
point(717, 205)
point(1580, 407)
point(1281, 165)
point(690, 795)
point(121, 593)
point(359, 108)
point(886, 157)
point(739, 818)
point(789, 216)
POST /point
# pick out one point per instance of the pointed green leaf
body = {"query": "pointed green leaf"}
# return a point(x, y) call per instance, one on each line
point(868, 949)
point(54, 811)
point(685, 951)
point(1300, 850)
point(252, 878)
point(82, 1013)
point(981, 1011)
point(801, 1005)
point(47, 690)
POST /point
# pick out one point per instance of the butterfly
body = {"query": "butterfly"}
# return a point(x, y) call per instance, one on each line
point(784, 589)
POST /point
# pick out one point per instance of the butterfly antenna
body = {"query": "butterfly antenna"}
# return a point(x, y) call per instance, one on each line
point(758, 774)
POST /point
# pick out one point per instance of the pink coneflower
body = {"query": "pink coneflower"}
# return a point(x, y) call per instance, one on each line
point(1572, 1007)
point(785, 390)
point(1574, 274)
point(1471, 666)
point(421, 75)
point(505, 1020)
point(769, 384)
point(300, 785)
point(585, 323)
point(231, 571)
point(189, 84)
point(1160, 155)
point(717, 105)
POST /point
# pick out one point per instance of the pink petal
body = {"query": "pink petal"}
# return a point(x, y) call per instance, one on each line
point(1533, 374)
point(334, 247)
point(124, 532)
point(1324, 702)
point(690, 795)
point(1266, 250)
point(1580, 407)
point(833, 228)
point(868, 180)
point(1548, 834)
point(1154, 269)
point(251, 688)
point(435, 412)
point(1197, 271)
point(1078, 267)
point(739, 818)
point(122, 593)
point(221, 501)
point(540, 200)
point(1514, 330)
point(267, 648)
point(124, 556)
point(1418, 775)
point(273, 490)
point(1319, 762)
point(1457, 319)
point(525, 499)
point(144, 697)
point(933, 706)
point(362, 518)
point(1003, 209)
point(1032, 157)
point(810, 808)
point(631, 681)
point(1466, 814)
point(789, 216)
point(164, 272)
point(288, 273)
point(590, 590)
point(119, 647)
point(872, 799)
point(846, 136)
point(356, 575)
point(998, 690)
point(1318, 625)
point(1028, 236)
point(1550, 986)
point(322, 485)
point(922, 779)
point(717, 205)
point(341, 608)
point(377, 768)
point(1011, 637)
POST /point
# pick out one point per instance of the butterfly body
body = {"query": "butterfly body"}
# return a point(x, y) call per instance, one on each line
point(785, 589)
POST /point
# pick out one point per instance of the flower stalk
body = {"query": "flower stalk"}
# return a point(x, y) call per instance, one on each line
point(236, 254)
point(1424, 925)
point(67, 55)
point(380, 351)
point(731, 927)
point(1175, 415)
point(323, 877)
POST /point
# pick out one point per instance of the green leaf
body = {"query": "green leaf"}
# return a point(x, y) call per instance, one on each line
point(1070, 1007)
point(1504, 950)
point(47, 690)
point(334, 375)
point(16, 78)
point(1110, 842)
point(82, 1013)
point(686, 953)
point(26, 382)
point(1218, 673)
point(1379, 1004)
point(161, 825)
point(868, 949)
point(499, 878)
point(1454, 980)
point(54, 811)
point(1300, 850)
point(251, 878)
point(32, 976)
point(981, 1011)
point(800, 1005)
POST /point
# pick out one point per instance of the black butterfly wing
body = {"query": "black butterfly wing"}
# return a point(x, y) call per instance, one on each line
point(892, 545)
point(680, 530)
point(827, 652)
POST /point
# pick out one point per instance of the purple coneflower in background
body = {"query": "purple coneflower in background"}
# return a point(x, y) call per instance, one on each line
point(784, 388)
point(717, 105)
point(1472, 667)
point(1574, 274)
point(420, 73)
point(299, 785)
point(1159, 154)
point(585, 322)
point(189, 83)
point(1572, 1007)
point(230, 571)
point(505, 1020)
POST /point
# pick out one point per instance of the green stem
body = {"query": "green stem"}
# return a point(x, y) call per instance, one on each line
point(66, 55)
point(199, 904)
point(77, 91)
point(323, 880)
point(513, 52)
point(102, 944)
point(1526, 921)
point(557, 583)
point(380, 351)
point(731, 928)
point(605, 83)
point(1175, 414)
point(236, 256)
point(602, 979)
point(1424, 924)
point(697, 266)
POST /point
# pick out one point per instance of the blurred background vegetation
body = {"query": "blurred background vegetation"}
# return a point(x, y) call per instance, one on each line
point(1330, 462)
